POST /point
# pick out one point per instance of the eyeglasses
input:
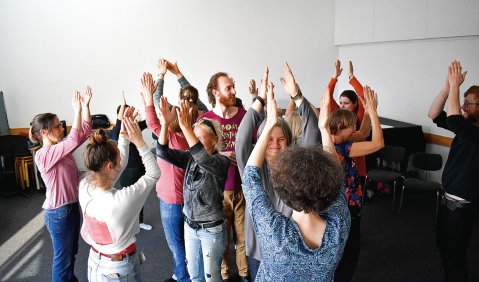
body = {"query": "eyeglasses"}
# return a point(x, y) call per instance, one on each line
point(467, 104)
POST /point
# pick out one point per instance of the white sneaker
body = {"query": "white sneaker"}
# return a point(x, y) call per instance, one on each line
point(145, 226)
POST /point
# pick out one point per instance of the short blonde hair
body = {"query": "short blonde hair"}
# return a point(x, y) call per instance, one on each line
point(213, 127)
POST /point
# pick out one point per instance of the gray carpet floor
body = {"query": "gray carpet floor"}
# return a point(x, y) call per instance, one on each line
point(394, 247)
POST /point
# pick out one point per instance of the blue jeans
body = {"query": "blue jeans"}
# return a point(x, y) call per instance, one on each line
point(63, 223)
point(204, 252)
point(172, 220)
point(101, 268)
point(253, 266)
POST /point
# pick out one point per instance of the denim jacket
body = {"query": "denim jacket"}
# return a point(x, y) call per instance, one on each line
point(204, 183)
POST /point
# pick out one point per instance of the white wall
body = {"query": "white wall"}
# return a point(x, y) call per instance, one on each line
point(50, 48)
point(403, 48)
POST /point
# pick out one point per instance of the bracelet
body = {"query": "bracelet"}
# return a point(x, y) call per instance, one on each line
point(261, 100)
point(298, 96)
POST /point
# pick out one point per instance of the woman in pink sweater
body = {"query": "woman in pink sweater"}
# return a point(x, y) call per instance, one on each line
point(60, 174)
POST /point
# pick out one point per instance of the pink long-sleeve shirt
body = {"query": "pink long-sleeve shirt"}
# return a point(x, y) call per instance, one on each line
point(59, 170)
point(169, 187)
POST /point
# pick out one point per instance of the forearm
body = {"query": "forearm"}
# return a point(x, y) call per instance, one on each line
point(453, 104)
point(364, 131)
point(77, 119)
point(377, 132)
point(438, 104)
point(159, 90)
point(259, 151)
point(163, 137)
point(85, 112)
point(332, 84)
point(190, 136)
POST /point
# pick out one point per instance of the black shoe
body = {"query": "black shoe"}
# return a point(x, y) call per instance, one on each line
point(169, 280)
point(245, 278)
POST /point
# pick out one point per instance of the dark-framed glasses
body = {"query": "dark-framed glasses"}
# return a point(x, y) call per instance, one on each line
point(467, 103)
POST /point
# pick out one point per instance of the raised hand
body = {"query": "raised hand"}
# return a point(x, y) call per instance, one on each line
point(184, 113)
point(264, 84)
point(167, 115)
point(162, 67)
point(76, 101)
point(289, 83)
point(253, 90)
point(149, 87)
point(173, 68)
point(371, 99)
point(85, 98)
point(272, 108)
point(132, 131)
point(351, 70)
point(325, 112)
point(455, 75)
point(123, 100)
point(337, 69)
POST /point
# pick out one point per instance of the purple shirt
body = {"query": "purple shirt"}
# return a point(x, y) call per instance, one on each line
point(229, 128)
point(59, 170)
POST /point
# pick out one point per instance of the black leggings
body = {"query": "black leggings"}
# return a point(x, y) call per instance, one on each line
point(349, 260)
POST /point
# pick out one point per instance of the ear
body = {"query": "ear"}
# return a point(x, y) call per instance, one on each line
point(109, 166)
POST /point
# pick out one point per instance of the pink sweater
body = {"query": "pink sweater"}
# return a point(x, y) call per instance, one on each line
point(58, 168)
point(169, 187)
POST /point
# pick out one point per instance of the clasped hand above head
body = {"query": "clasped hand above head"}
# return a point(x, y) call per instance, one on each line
point(130, 129)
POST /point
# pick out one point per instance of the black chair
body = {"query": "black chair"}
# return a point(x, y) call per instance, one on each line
point(11, 148)
point(425, 162)
point(388, 167)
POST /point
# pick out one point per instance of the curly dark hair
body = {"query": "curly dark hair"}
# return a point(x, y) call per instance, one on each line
point(213, 84)
point(306, 179)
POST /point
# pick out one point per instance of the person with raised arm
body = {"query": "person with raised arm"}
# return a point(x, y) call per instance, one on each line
point(459, 202)
point(135, 168)
point(343, 125)
point(280, 138)
point(308, 245)
point(169, 188)
point(206, 172)
point(60, 174)
point(187, 91)
point(222, 96)
point(110, 215)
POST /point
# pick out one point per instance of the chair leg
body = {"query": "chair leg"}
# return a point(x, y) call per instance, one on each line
point(402, 195)
point(437, 205)
point(394, 195)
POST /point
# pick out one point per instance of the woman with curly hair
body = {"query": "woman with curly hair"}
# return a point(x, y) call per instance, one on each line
point(110, 216)
point(307, 246)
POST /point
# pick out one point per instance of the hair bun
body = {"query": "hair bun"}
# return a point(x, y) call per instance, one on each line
point(98, 137)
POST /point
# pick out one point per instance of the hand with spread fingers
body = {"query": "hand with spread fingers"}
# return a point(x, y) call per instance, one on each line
point(184, 113)
point(167, 115)
point(288, 81)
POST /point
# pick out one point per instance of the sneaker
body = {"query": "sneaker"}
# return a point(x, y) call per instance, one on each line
point(145, 226)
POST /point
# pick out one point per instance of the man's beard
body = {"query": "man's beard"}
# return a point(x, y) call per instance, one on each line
point(228, 102)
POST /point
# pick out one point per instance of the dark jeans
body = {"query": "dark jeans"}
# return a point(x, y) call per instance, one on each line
point(453, 234)
point(349, 260)
point(172, 220)
point(63, 224)
point(128, 177)
point(253, 266)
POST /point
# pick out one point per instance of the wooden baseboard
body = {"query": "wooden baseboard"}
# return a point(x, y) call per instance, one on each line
point(438, 139)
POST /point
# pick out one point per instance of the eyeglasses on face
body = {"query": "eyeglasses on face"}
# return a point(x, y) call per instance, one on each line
point(467, 103)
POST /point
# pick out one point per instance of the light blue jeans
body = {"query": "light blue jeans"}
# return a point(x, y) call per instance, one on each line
point(63, 224)
point(172, 220)
point(101, 268)
point(204, 252)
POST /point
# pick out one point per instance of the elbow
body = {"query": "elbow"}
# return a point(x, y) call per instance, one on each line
point(431, 115)
point(380, 145)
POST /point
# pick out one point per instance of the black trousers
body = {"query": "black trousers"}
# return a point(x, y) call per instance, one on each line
point(349, 260)
point(453, 234)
